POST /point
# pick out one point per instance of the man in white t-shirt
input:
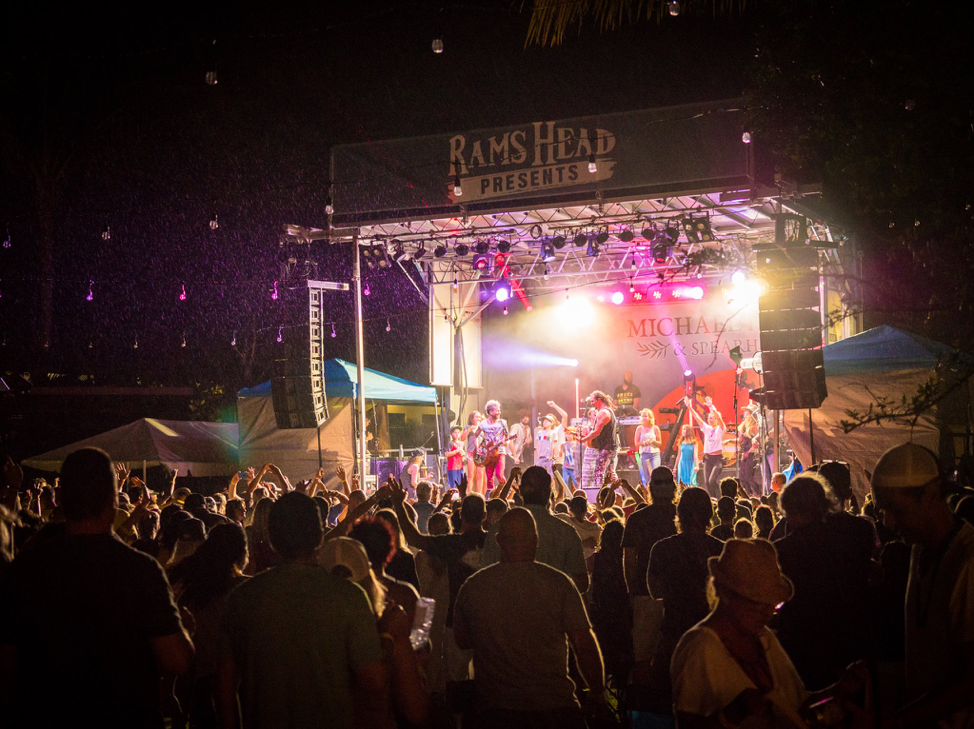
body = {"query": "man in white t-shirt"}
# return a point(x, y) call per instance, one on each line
point(713, 444)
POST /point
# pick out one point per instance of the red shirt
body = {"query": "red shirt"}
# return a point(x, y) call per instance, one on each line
point(455, 463)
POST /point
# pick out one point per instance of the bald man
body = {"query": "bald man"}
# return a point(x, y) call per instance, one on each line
point(516, 616)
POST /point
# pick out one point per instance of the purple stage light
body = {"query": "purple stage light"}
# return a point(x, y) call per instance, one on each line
point(503, 293)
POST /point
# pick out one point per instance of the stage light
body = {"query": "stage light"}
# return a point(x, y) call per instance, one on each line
point(602, 237)
point(211, 78)
point(503, 293)
point(481, 262)
point(698, 230)
point(738, 277)
point(439, 251)
point(592, 249)
point(626, 236)
point(546, 272)
point(577, 311)
point(182, 292)
point(558, 242)
point(661, 252)
point(499, 261)
point(505, 311)
point(579, 240)
point(462, 249)
point(687, 375)
point(504, 247)
point(672, 233)
point(648, 234)
point(420, 252)
point(617, 297)
point(695, 293)
point(482, 247)
point(399, 251)
point(547, 252)
point(573, 363)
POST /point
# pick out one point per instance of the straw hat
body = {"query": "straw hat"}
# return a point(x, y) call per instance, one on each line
point(750, 568)
point(347, 552)
point(905, 466)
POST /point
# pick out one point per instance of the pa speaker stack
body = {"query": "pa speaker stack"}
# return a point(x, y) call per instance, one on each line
point(791, 319)
point(298, 388)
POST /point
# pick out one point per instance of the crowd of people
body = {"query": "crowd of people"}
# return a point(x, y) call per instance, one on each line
point(272, 604)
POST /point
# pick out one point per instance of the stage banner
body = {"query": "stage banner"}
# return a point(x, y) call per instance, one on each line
point(683, 149)
point(545, 350)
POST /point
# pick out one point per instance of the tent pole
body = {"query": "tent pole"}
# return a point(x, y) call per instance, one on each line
point(143, 471)
point(811, 438)
point(360, 361)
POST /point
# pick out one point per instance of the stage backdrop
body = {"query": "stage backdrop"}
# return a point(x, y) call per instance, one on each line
point(527, 356)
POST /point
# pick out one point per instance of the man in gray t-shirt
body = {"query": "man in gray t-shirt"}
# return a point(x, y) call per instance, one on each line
point(519, 616)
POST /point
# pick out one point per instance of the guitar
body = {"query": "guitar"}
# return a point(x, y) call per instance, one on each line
point(486, 453)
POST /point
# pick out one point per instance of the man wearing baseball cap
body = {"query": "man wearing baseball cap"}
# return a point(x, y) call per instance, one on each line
point(908, 486)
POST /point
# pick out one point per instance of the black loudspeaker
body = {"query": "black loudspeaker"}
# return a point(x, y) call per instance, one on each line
point(791, 320)
point(298, 389)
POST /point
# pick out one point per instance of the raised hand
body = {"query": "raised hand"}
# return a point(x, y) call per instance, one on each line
point(121, 473)
point(395, 491)
point(251, 473)
point(516, 473)
point(340, 472)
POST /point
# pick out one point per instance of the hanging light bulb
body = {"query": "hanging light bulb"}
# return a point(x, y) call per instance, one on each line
point(593, 166)
point(329, 208)
point(136, 345)
point(280, 334)
point(106, 234)
point(388, 326)
point(632, 287)
point(91, 294)
point(182, 292)
point(367, 291)
point(505, 311)
point(333, 333)
point(6, 241)
point(233, 342)
point(437, 45)
point(91, 344)
point(746, 137)
point(211, 78)
point(546, 272)
point(674, 7)
point(457, 190)
point(274, 294)
point(183, 344)
point(456, 284)
point(215, 223)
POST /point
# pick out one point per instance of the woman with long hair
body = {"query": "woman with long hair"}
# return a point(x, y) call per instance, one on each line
point(648, 440)
point(476, 475)
point(262, 554)
point(201, 583)
point(688, 458)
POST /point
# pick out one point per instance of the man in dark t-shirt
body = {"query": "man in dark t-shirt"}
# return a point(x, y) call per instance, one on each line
point(627, 396)
point(87, 619)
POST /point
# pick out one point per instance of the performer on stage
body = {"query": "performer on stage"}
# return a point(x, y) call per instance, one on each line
point(560, 426)
point(547, 444)
point(687, 460)
point(627, 396)
point(492, 450)
point(749, 444)
point(713, 445)
point(475, 472)
point(603, 438)
point(521, 432)
point(648, 441)
point(454, 459)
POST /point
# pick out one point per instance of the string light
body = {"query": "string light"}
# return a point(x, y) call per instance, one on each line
point(106, 234)
point(233, 342)
point(505, 311)
point(674, 8)
point(593, 166)
point(274, 294)
point(437, 45)
point(182, 292)
point(388, 326)
point(329, 208)
point(367, 291)
point(91, 344)
point(333, 333)
point(91, 294)
point(632, 287)
point(215, 223)
point(183, 344)
point(456, 283)
point(211, 78)
point(546, 272)
point(457, 190)
point(746, 137)
point(136, 345)
point(280, 334)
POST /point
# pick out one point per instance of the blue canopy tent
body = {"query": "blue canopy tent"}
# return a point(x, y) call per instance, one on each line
point(881, 363)
point(296, 450)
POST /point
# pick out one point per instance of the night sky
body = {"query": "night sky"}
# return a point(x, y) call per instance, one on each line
point(108, 122)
